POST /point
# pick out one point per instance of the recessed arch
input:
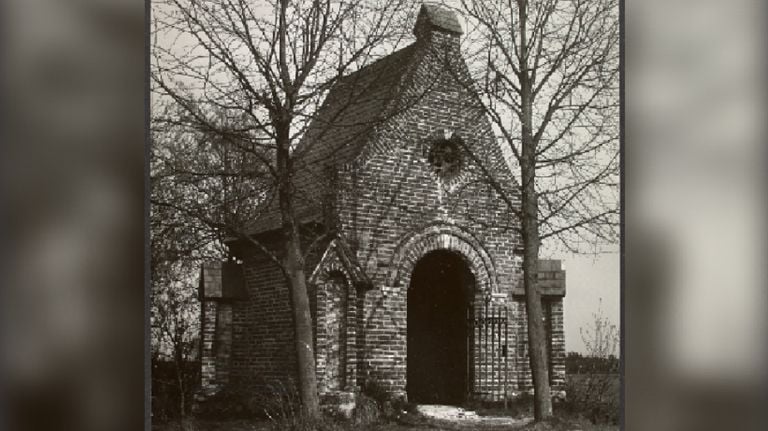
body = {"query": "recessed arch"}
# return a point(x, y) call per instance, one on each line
point(443, 237)
point(438, 301)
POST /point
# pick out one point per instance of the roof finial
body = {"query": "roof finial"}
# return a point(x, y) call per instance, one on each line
point(436, 17)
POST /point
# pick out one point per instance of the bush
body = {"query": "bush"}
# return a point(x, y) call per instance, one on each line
point(166, 398)
point(283, 409)
point(229, 403)
point(595, 396)
point(594, 390)
point(367, 411)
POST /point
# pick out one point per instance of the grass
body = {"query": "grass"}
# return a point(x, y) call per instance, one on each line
point(566, 417)
point(242, 425)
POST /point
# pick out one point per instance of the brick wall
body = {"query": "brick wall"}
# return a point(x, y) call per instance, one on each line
point(336, 334)
point(262, 351)
point(553, 310)
point(216, 344)
point(393, 207)
point(557, 342)
point(207, 354)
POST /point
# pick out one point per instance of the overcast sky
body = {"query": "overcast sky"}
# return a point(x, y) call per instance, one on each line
point(588, 278)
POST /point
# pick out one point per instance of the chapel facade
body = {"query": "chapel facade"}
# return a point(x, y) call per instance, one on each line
point(414, 256)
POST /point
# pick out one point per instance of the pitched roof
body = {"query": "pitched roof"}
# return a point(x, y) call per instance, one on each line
point(339, 130)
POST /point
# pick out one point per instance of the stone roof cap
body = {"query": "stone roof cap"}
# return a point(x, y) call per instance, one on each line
point(221, 281)
point(550, 279)
point(439, 16)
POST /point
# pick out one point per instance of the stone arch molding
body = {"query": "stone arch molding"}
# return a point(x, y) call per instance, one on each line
point(443, 237)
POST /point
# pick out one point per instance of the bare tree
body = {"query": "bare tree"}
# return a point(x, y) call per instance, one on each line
point(177, 246)
point(175, 326)
point(547, 76)
point(595, 390)
point(247, 76)
point(602, 337)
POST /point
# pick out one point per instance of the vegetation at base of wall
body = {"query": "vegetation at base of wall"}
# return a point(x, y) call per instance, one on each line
point(390, 408)
point(272, 401)
point(560, 422)
point(279, 407)
point(373, 406)
point(165, 389)
point(229, 403)
point(521, 406)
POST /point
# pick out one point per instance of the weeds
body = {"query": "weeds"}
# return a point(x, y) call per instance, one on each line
point(595, 396)
point(594, 392)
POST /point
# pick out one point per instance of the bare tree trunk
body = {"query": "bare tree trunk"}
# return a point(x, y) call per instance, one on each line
point(178, 359)
point(537, 343)
point(303, 328)
point(293, 265)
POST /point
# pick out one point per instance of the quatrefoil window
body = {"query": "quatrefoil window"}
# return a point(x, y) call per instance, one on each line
point(445, 157)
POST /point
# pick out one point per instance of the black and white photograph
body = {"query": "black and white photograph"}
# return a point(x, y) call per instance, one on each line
point(385, 215)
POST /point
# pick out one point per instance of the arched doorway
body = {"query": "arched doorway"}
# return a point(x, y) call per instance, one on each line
point(438, 298)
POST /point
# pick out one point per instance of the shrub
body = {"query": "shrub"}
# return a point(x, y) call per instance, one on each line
point(166, 398)
point(283, 409)
point(594, 391)
point(229, 403)
point(595, 396)
point(367, 411)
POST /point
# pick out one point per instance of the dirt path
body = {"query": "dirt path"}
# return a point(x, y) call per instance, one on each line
point(461, 418)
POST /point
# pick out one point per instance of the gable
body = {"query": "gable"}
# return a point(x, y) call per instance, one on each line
point(437, 103)
point(338, 257)
point(368, 111)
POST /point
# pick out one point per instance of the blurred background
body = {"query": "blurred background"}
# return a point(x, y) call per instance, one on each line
point(72, 305)
point(694, 296)
point(72, 169)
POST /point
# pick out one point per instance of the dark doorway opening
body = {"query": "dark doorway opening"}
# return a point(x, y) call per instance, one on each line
point(438, 299)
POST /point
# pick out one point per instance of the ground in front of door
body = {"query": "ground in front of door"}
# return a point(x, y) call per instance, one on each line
point(425, 418)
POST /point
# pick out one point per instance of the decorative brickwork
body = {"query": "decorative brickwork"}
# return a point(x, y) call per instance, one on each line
point(443, 236)
point(216, 344)
point(207, 354)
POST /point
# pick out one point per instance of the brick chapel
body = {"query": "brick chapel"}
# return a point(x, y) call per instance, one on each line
point(414, 260)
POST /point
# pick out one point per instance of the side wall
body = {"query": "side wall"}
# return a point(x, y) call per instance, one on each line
point(263, 357)
point(553, 310)
point(216, 345)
